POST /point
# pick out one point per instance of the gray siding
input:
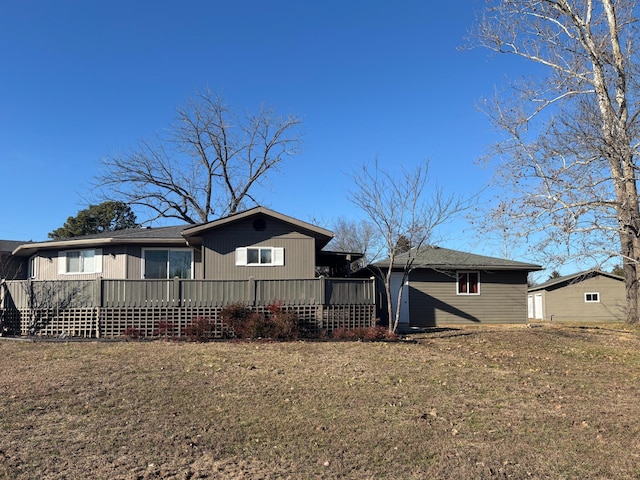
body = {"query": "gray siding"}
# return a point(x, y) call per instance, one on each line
point(566, 303)
point(219, 251)
point(433, 299)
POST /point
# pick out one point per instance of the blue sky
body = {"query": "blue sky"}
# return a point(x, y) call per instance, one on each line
point(84, 79)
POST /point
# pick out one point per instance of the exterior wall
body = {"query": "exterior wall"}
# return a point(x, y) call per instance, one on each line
point(219, 251)
point(119, 262)
point(113, 265)
point(566, 302)
point(433, 299)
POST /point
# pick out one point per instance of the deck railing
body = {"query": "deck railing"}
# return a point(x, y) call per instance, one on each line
point(65, 294)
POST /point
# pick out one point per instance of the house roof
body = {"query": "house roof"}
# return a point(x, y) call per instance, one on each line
point(9, 245)
point(180, 235)
point(443, 258)
point(573, 278)
point(146, 236)
point(322, 235)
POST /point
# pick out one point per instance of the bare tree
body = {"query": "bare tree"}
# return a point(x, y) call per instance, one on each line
point(569, 154)
point(207, 165)
point(354, 236)
point(403, 215)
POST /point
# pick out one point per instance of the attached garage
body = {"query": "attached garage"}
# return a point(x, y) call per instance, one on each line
point(449, 287)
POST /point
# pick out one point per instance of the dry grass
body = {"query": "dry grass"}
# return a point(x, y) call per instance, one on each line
point(477, 402)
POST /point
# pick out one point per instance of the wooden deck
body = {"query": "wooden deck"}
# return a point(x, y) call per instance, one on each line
point(106, 308)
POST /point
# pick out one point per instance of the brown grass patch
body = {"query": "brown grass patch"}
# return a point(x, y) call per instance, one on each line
point(475, 402)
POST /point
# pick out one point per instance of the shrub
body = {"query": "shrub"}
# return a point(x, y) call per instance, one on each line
point(201, 329)
point(284, 324)
point(236, 317)
point(276, 324)
point(254, 326)
point(165, 329)
point(131, 333)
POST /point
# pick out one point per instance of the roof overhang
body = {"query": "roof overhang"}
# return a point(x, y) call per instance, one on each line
point(451, 267)
point(29, 249)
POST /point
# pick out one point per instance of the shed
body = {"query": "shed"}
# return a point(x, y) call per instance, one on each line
point(592, 295)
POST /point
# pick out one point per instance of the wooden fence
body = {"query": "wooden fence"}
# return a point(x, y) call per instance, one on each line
point(107, 308)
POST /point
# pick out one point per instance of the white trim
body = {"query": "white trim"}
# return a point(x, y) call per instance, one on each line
point(33, 266)
point(97, 260)
point(241, 256)
point(62, 263)
point(278, 256)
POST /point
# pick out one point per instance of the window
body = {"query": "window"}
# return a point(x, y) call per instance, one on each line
point(468, 283)
point(166, 263)
point(592, 297)
point(260, 256)
point(80, 261)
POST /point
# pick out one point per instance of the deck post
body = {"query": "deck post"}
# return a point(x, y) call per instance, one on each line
point(176, 301)
point(323, 291)
point(97, 293)
point(252, 291)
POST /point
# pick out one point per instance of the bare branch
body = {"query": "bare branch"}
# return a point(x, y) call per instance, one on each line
point(569, 155)
point(402, 213)
point(207, 165)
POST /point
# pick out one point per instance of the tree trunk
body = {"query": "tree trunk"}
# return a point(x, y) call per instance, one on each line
point(630, 278)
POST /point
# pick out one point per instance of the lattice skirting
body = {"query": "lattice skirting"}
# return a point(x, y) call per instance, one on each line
point(153, 322)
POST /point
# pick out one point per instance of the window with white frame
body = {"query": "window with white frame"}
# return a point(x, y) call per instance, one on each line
point(592, 297)
point(468, 283)
point(260, 256)
point(80, 261)
point(159, 263)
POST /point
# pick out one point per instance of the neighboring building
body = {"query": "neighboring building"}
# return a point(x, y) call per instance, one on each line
point(448, 287)
point(257, 243)
point(593, 295)
point(11, 268)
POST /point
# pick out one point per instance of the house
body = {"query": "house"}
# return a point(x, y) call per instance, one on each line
point(258, 243)
point(592, 295)
point(448, 287)
point(102, 284)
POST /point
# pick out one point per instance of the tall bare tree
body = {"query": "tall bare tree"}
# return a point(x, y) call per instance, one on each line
point(208, 164)
point(569, 156)
point(403, 215)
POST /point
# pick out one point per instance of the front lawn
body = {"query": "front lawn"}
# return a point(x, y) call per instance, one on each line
point(473, 402)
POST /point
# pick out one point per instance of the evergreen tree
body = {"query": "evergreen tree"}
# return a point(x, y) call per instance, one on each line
point(105, 217)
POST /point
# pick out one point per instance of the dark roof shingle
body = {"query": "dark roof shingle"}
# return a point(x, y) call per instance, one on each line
point(444, 258)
